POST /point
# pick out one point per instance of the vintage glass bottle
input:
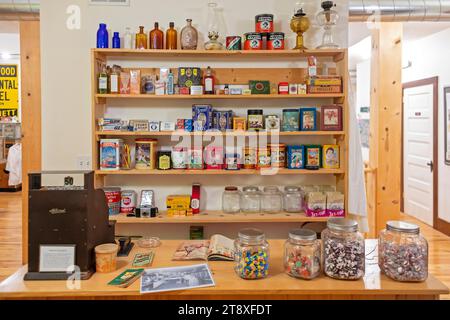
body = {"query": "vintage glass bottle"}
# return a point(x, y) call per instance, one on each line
point(141, 39)
point(156, 38)
point(102, 37)
point(128, 39)
point(171, 37)
point(102, 87)
point(116, 40)
point(189, 36)
point(209, 81)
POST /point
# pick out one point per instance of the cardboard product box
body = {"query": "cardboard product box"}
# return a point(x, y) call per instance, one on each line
point(135, 81)
point(188, 77)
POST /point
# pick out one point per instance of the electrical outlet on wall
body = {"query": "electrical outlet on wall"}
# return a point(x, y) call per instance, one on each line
point(83, 163)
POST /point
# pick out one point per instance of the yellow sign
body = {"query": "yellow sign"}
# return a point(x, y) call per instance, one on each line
point(9, 90)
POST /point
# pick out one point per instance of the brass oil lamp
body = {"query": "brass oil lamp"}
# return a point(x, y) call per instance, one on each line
point(300, 24)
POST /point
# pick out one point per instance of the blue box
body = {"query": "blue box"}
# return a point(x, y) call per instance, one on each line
point(202, 117)
point(223, 120)
point(295, 157)
point(308, 119)
point(188, 125)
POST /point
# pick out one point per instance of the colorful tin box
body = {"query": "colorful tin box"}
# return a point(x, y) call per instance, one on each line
point(330, 156)
point(313, 157)
point(214, 158)
point(295, 157)
point(110, 150)
point(223, 120)
point(202, 117)
point(291, 119)
point(308, 119)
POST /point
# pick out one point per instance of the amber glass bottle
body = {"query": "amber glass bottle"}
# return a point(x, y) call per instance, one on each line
point(156, 38)
point(141, 39)
point(171, 37)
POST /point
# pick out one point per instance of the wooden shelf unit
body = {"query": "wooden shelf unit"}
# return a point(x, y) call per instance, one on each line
point(231, 76)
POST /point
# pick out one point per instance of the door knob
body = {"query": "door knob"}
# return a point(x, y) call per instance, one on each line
point(430, 164)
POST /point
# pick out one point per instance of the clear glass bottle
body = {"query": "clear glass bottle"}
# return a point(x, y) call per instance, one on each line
point(171, 37)
point(252, 254)
point(114, 77)
point(302, 254)
point(230, 200)
point(293, 199)
point(343, 249)
point(156, 38)
point(141, 39)
point(209, 81)
point(189, 36)
point(251, 200)
point(128, 39)
point(403, 252)
point(271, 200)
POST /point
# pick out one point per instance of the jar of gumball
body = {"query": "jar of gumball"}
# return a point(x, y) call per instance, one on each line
point(252, 254)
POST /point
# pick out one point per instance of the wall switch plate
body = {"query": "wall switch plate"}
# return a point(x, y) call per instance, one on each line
point(83, 163)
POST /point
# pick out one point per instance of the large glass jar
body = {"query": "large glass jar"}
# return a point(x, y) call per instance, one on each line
point(189, 36)
point(302, 254)
point(403, 252)
point(251, 200)
point(272, 200)
point(230, 200)
point(293, 199)
point(252, 254)
point(343, 249)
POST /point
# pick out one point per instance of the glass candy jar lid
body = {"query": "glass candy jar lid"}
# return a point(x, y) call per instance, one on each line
point(401, 226)
point(251, 235)
point(271, 189)
point(250, 189)
point(292, 189)
point(231, 188)
point(302, 235)
point(342, 224)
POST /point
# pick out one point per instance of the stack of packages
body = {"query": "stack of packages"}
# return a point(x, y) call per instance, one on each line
point(324, 201)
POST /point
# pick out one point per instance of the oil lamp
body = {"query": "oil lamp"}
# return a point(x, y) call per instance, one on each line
point(299, 24)
point(327, 19)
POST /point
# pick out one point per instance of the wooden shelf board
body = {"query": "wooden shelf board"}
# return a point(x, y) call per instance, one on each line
point(337, 54)
point(218, 97)
point(220, 217)
point(233, 133)
point(282, 171)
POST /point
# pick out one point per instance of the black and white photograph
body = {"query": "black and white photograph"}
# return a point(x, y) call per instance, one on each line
point(177, 278)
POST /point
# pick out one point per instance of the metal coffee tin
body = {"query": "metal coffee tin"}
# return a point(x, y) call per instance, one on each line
point(253, 41)
point(234, 43)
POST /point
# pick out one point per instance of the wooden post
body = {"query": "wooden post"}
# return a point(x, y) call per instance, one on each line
point(30, 60)
point(386, 120)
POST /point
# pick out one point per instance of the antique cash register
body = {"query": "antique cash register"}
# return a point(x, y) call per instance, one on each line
point(67, 219)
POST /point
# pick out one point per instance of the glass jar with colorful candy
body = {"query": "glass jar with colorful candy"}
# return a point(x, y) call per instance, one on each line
point(252, 254)
point(302, 254)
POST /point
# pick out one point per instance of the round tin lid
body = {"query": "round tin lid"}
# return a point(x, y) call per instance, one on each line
point(302, 234)
point(255, 111)
point(231, 188)
point(402, 226)
point(342, 224)
point(251, 235)
point(250, 189)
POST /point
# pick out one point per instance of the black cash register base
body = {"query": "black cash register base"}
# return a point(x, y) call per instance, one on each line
point(67, 214)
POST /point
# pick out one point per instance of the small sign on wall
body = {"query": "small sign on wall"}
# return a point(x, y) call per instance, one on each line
point(9, 90)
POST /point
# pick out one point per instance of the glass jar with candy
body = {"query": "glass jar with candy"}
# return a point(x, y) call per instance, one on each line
point(403, 252)
point(343, 249)
point(302, 254)
point(252, 254)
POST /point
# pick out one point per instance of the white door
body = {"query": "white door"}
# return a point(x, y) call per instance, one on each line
point(418, 144)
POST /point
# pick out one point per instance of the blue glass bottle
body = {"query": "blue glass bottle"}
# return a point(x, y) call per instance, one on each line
point(102, 37)
point(116, 41)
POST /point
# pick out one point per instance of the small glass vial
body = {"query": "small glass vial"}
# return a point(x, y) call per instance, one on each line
point(251, 200)
point(293, 199)
point(252, 254)
point(272, 200)
point(302, 254)
point(343, 249)
point(230, 200)
point(403, 252)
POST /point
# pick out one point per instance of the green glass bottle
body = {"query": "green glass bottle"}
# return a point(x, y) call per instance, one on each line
point(103, 81)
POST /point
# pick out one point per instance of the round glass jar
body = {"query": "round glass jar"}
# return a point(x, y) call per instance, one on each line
point(230, 200)
point(252, 254)
point(302, 254)
point(293, 199)
point(403, 252)
point(272, 200)
point(251, 200)
point(343, 249)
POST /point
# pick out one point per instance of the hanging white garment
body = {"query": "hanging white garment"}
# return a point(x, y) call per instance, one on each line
point(14, 164)
point(357, 200)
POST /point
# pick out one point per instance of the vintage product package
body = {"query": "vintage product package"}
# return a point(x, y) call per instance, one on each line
point(223, 120)
point(202, 117)
point(110, 150)
point(316, 204)
point(313, 157)
point(335, 204)
point(330, 157)
point(273, 123)
point(195, 158)
point(188, 77)
point(259, 86)
point(331, 118)
point(135, 81)
point(308, 119)
point(125, 83)
point(214, 158)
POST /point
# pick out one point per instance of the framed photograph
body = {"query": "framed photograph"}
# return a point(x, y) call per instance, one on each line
point(176, 278)
point(447, 124)
point(308, 119)
point(331, 118)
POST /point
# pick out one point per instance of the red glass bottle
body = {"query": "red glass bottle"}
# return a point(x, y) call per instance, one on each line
point(209, 81)
point(156, 38)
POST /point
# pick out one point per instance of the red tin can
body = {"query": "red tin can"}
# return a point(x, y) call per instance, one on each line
point(253, 41)
point(234, 43)
point(264, 23)
point(275, 41)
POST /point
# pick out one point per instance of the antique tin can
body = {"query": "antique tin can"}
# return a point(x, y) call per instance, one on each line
point(239, 124)
point(263, 159)
point(164, 160)
point(113, 198)
point(313, 157)
point(295, 157)
point(275, 41)
point(179, 158)
point(188, 125)
point(264, 23)
point(214, 157)
point(180, 124)
point(146, 154)
point(255, 120)
point(234, 43)
point(253, 41)
point(188, 77)
point(291, 120)
point(128, 201)
point(232, 161)
point(278, 155)
point(223, 120)
point(195, 158)
point(153, 126)
point(202, 117)
point(283, 88)
point(273, 123)
point(250, 155)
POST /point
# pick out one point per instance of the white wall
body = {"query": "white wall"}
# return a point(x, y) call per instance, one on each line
point(429, 57)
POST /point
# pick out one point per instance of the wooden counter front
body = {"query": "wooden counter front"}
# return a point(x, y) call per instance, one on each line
point(228, 285)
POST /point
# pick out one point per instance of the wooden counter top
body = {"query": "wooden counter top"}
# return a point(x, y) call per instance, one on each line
point(228, 285)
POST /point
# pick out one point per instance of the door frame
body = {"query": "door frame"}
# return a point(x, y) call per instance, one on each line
point(434, 81)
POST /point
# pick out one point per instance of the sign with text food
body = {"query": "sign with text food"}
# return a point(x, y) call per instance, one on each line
point(9, 90)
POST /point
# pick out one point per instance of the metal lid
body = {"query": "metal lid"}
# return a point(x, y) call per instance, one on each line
point(303, 234)
point(231, 188)
point(271, 189)
point(250, 189)
point(292, 189)
point(251, 235)
point(255, 111)
point(402, 226)
point(342, 224)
